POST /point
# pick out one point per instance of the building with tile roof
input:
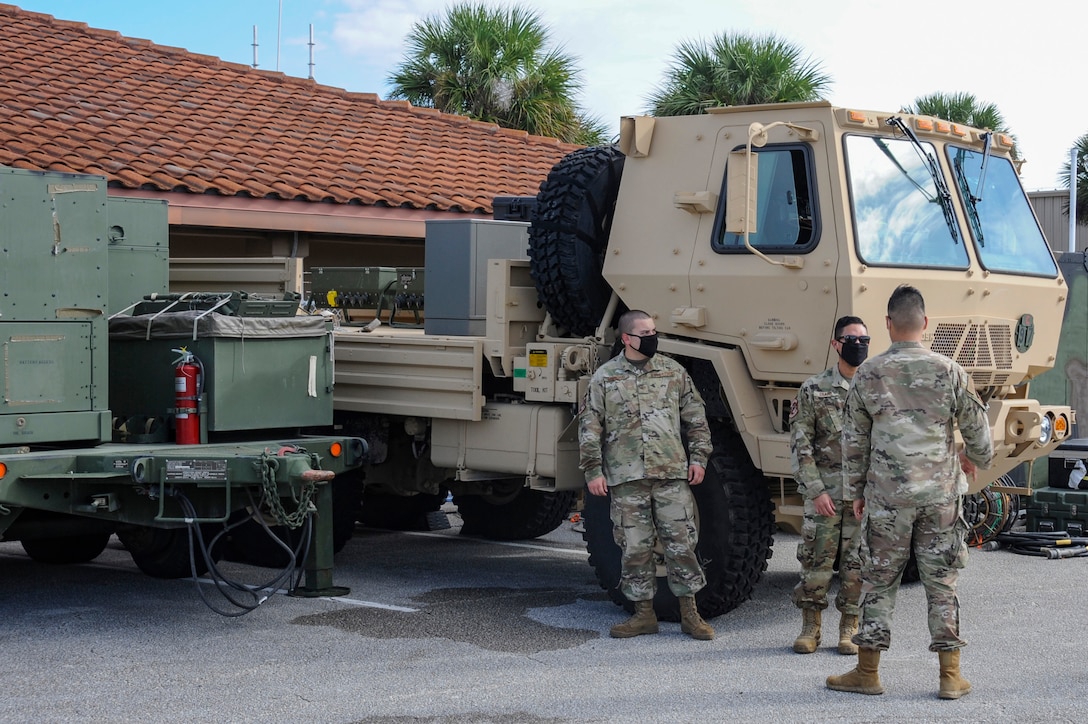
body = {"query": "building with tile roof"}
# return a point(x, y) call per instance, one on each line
point(252, 162)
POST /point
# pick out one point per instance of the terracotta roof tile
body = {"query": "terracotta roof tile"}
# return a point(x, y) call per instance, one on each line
point(80, 99)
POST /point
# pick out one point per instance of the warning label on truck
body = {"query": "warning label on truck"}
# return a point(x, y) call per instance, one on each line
point(196, 470)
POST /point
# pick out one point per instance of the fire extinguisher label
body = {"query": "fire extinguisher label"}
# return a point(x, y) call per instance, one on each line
point(179, 384)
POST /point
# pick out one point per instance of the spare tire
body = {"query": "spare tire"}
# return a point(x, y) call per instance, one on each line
point(568, 237)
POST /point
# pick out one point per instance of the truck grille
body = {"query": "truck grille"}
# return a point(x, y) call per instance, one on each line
point(983, 350)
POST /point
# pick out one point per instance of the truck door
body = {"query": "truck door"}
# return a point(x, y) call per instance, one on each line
point(776, 299)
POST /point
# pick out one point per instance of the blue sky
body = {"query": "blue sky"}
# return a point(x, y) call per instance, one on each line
point(880, 56)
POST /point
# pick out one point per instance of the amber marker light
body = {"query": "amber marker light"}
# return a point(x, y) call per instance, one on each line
point(944, 126)
point(856, 116)
point(959, 130)
point(1061, 426)
point(3, 470)
point(923, 124)
point(336, 449)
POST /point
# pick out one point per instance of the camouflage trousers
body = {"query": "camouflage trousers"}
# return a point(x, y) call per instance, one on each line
point(823, 539)
point(885, 538)
point(647, 511)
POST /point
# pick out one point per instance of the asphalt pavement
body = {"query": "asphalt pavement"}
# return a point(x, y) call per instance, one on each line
point(439, 627)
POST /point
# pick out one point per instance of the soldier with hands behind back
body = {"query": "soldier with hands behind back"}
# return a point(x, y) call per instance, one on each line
point(641, 411)
point(902, 469)
point(829, 524)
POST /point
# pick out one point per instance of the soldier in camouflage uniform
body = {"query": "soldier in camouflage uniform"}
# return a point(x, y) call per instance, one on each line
point(640, 410)
point(829, 525)
point(901, 468)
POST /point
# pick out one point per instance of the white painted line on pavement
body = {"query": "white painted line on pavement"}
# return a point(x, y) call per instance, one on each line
point(550, 549)
point(370, 604)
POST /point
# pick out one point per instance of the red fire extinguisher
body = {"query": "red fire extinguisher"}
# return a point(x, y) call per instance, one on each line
point(186, 393)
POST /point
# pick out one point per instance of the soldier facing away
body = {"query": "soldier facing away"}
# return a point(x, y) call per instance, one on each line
point(640, 409)
point(829, 525)
point(901, 468)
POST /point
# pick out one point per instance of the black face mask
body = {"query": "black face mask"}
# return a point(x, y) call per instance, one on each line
point(854, 353)
point(648, 345)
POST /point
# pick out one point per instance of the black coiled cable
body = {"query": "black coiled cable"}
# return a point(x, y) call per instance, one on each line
point(1052, 546)
point(244, 597)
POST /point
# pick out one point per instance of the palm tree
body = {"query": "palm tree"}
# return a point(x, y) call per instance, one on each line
point(736, 69)
point(493, 64)
point(1082, 179)
point(959, 108)
point(963, 108)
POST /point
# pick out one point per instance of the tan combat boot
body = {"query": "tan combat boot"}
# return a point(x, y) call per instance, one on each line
point(953, 686)
point(848, 626)
point(809, 639)
point(691, 622)
point(643, 622)
point(864, 678)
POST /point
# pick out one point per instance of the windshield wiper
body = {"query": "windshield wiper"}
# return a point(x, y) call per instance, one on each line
point(972, 200)
point(988, 138)
point(944, 196)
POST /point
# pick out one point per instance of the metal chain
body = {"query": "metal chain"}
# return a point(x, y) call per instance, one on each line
point(304, 507)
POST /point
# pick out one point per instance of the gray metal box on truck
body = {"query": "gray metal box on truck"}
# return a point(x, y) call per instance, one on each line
point(457, 253)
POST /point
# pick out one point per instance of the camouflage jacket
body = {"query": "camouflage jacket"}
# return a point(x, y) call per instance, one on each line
point(816, 434)
point(636, 419)
point(898, 441)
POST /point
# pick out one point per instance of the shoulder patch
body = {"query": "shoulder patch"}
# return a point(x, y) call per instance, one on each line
point(793, 409)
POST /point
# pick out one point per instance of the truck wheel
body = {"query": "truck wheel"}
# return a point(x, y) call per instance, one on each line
point(736, 526)
point(67, 549)
point(522, 515)
point(164, 552)
point(569, 234)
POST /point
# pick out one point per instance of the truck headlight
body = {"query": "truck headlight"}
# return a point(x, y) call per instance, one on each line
point(1046, 428)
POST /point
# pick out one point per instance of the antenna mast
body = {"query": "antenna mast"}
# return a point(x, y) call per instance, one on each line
point(279, 34)
point(311, 44)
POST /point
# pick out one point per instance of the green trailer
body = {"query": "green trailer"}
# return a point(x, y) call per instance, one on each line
point(89, 415)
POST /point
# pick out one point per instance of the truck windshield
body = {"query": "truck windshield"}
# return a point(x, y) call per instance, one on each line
point(900, 216)
point(1006, 234)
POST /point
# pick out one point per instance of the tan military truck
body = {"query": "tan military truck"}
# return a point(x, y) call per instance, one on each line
point(746, 232)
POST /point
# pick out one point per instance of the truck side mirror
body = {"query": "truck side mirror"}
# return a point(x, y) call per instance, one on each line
point(741, 185)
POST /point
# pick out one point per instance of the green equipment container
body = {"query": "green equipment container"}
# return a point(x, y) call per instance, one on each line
point(259, 372)
point(53, 302)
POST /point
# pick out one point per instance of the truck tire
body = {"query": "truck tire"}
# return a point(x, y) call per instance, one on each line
point(67, 549)
point(164, 552)
point(736, 527)
point(569, 234)
point(524, 515)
